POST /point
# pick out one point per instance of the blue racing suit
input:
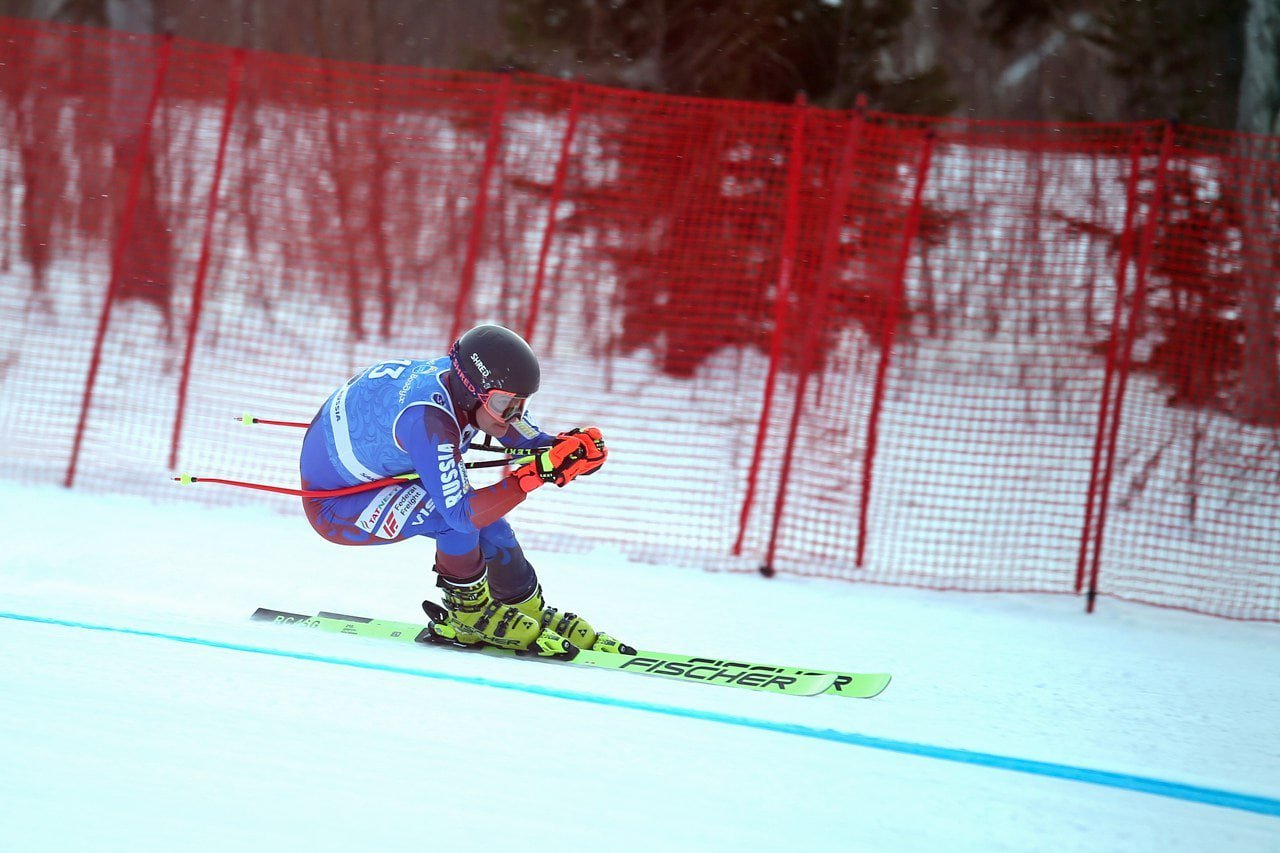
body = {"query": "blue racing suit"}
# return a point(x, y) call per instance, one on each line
point(399, 417)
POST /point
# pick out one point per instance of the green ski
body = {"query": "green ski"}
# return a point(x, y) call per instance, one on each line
point(704, 670)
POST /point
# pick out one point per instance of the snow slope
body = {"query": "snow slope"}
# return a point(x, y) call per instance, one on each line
point(141, 709)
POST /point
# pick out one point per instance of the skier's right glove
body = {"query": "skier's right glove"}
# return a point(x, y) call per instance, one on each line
point(573, 454)
point(593, 435)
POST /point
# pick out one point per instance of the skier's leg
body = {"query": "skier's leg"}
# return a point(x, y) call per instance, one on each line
point(514, 581)
point(474, 615)
point(458, 557)
point(511, 577)
point(397, 513)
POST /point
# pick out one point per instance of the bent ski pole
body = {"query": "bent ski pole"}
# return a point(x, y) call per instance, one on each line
point(187, 479)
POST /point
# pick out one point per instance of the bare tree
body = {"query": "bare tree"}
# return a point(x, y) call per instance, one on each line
point(1259, 113)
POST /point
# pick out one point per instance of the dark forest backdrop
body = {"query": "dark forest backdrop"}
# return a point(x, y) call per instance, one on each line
point(1046, 60)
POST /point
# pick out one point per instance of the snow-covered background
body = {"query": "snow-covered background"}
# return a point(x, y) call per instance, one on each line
point(183, 725)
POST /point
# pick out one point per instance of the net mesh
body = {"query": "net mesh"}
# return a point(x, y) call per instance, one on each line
point(952, 354)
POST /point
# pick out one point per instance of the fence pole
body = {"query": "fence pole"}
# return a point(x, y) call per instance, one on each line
point(557, 192)
point(828, 272)
point(1088, 530)
point(1126, 356)
point(124, 232)
point(234, 76)
point(491, 148)
point(786, 263)
point(891, 317)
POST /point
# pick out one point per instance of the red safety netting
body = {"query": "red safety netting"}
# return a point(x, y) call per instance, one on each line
point(951, 354)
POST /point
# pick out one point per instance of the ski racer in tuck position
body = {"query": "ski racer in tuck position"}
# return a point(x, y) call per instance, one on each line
point(421, 415)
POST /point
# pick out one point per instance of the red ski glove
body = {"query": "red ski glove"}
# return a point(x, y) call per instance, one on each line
point(575, 453)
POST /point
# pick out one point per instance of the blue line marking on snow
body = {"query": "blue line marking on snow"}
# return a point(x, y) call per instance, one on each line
point(1123, 781)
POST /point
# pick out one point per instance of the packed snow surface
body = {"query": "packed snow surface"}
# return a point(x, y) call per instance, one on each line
point(140, 708)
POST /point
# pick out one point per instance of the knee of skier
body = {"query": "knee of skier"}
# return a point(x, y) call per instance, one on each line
point(497, 535)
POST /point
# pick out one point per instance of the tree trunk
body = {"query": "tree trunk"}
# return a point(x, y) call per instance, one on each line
point(1259, 112)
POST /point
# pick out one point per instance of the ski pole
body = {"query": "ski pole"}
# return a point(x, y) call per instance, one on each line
point(250, 420)
point(187, 479)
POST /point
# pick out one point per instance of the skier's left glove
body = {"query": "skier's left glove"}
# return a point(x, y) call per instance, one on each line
point(574, 454)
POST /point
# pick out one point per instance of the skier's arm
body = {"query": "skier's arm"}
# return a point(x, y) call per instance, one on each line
point(561, 457)
point(431, 439)
point(569, 455)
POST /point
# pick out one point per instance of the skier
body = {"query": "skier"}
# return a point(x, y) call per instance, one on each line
point(411, 415)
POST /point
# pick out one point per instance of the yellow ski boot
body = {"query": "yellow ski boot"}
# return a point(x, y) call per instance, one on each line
point(473, 616)
point(571, 626)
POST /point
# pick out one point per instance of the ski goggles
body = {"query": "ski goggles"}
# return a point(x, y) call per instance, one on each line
point(503, 405)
